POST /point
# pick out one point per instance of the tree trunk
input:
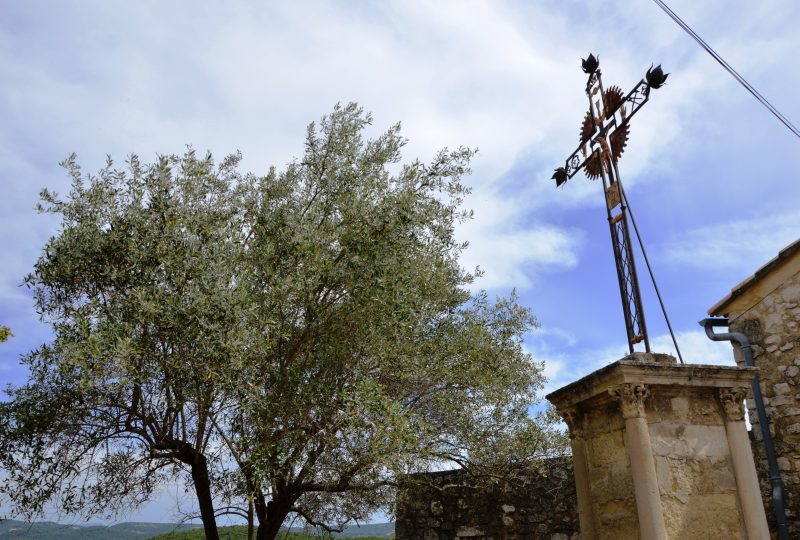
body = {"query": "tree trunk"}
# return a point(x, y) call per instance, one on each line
point(202, 487)
point(250, 529)
point(276, 512)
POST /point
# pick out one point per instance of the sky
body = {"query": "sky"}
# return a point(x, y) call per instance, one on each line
point(710, 174)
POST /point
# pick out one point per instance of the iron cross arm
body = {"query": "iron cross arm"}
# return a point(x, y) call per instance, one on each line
point(604, 124)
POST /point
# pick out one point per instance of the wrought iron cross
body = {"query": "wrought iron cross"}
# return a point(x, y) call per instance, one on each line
point(604, 134)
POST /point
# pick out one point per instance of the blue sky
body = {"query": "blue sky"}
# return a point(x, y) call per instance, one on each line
point(711, 175)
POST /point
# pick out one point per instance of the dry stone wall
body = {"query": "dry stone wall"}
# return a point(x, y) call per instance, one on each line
point(447, 505)
point(772, 327)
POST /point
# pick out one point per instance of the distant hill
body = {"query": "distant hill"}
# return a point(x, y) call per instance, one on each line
point(47, 530)
point(240, 533)
point(375, 531)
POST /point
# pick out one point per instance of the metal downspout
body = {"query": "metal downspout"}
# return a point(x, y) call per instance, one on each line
point(774, 473)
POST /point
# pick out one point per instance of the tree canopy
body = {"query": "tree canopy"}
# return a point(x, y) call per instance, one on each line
point(291, 344)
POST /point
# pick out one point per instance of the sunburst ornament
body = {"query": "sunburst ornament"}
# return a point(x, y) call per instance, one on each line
point(613, 99)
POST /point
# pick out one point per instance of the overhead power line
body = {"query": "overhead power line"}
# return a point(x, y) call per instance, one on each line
point(785, 121)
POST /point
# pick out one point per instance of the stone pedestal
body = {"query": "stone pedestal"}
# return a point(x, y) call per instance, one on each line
point(661, 451)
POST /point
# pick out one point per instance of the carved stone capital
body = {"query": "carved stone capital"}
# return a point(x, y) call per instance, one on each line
point(574, 420)
point(631, 399)
point(731, 401)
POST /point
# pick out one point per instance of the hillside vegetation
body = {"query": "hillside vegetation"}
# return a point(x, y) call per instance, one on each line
point(240, 533)
point(48, 530)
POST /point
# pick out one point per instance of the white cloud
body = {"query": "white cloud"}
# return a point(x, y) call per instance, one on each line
point(568, 365)
point(509, 251)
point(742, 243)
point(555, 365)
point(501, 76)
point(555, 369)
point(695, 348)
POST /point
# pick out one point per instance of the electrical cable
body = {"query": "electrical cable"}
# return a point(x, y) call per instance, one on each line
point(785, 121)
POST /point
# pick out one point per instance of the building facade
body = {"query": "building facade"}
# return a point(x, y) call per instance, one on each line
point(766, 308)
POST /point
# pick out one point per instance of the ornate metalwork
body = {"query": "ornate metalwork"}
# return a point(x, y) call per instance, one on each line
point(603, 137)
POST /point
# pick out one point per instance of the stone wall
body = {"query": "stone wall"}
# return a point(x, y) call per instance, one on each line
point(538, 505)
point(771, 324)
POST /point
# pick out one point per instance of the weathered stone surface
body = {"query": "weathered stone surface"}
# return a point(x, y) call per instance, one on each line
point(617, 519)
point(705, 516)
point(537, 504)
point(781, 388)
point(680, 415)
point(673, 439)
point(769, 318)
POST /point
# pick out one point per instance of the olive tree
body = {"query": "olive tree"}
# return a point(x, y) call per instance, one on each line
point(297, 342)
point(140, 288)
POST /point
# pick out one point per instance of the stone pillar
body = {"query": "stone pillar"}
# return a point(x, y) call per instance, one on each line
point(578, 446)
point(656, 456)
point(643, 466)
point(755, 520)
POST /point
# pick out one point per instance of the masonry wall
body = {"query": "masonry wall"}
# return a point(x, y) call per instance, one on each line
point(692, 459)
point(772, 325)
point(609, 473)
point(693, 463)
point(541, 505)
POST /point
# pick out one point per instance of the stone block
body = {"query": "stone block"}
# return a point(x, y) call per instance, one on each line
point(617, 521)
point(773, 323)
point(790, 478)
point(469, 532)
point(607, 448)
point(671, 439)
point(722, 479)
point(705, 516)
point(791, 293)
point(680, 405)
point(781, 388)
